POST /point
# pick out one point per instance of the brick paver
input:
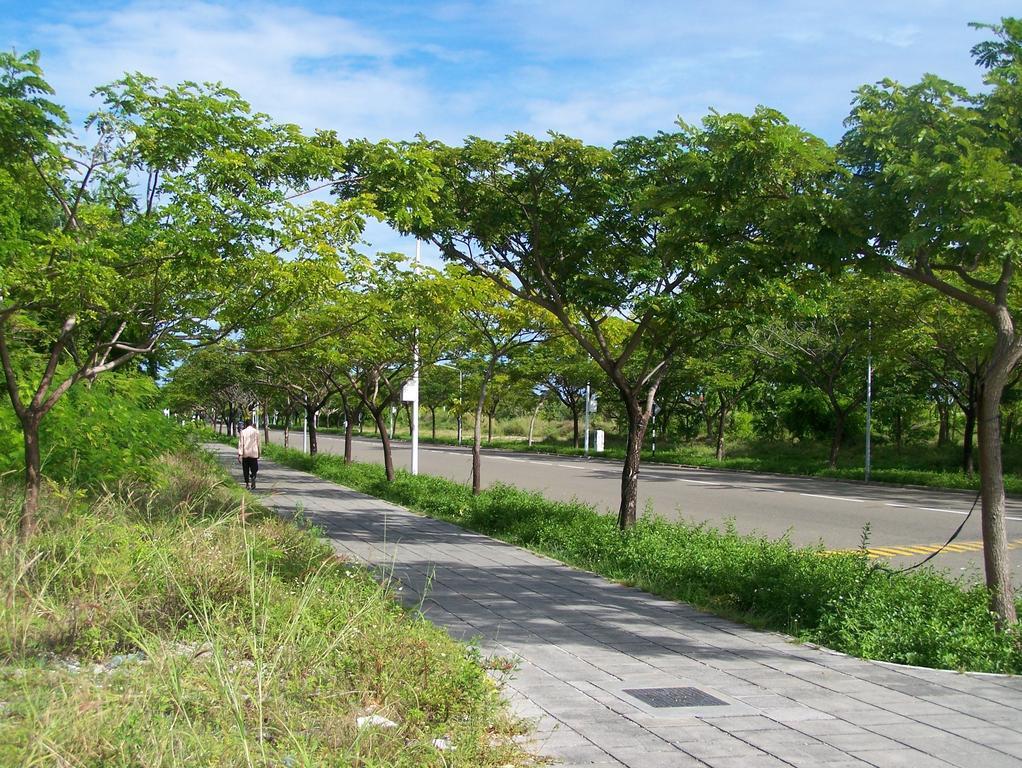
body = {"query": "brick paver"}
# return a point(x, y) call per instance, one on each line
point(580, 642)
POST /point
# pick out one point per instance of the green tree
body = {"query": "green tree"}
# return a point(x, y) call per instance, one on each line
point(499, 326)
point(730, 368)
point(167, 228)
point(651, 238)
point(936, 197)
point(562, 368)
point(823, 334)
point(404, 311)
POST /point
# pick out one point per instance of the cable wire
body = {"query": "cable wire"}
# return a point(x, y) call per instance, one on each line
point(943, 546)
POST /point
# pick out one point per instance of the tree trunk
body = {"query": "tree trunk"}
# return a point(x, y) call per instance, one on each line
point(532, 421)
point(574, 428)
point(944, 428)
point(721, 420)
point(388, 459)
point(348, 428)
point(968, 462)
point(432, 416)
point(310, 417)
point(266, 424)
point(968, 454)
point(477, 432)
point(33, 475)
point(637, 423)
point(489, 428)
point(995, 539)
point(839, 432)
point(899, 430)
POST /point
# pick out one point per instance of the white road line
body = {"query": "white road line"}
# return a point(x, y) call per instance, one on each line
point(833, 498)
point(701, 482)
point(948, 511)
point(892, 504)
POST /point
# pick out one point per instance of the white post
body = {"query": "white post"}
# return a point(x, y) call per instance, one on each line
point(587, 420)
point(415, 382)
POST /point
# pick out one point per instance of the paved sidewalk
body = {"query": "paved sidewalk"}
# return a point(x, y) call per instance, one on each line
point(582, 643)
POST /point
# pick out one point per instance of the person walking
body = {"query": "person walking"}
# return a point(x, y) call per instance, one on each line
point(248, 453)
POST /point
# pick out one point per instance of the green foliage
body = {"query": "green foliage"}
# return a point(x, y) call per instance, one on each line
point(841, 600)
point(167, 627)
point(97, 434)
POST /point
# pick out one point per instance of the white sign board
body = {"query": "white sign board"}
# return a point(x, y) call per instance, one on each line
point(599, 441)
point(410, 391)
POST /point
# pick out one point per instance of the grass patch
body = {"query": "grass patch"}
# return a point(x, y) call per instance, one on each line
point(842, 601)
point(158, 626)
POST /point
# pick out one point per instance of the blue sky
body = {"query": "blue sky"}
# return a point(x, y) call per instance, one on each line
point(598, 70)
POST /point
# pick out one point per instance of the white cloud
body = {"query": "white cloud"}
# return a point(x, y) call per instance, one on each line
point(313, 69)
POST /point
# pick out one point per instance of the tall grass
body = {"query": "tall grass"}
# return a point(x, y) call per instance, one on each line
point(174, 624)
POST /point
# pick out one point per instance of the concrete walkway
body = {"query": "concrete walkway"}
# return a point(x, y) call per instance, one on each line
point(710, 692)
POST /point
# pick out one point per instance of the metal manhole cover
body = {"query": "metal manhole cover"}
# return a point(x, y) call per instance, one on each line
point(675, 697)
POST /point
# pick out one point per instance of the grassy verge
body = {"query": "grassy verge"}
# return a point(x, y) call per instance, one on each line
point(924, 466)
point(159, 626)
point(841, 601)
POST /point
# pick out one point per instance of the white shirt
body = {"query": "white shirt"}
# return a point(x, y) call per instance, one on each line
point(248, 443)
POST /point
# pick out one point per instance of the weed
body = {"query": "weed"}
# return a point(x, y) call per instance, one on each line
point(154, 625)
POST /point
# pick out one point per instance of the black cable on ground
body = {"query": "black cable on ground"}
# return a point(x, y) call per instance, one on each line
point(945, 544)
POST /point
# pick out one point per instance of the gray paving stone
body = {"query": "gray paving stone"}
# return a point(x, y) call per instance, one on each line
point(579, 640)
point(721, 745)
point(901, 758)
point(641, 757)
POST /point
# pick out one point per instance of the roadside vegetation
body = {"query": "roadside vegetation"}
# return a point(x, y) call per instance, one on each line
point(156, 616)
point(918, 464)
point(842, 601)
point(732, 281)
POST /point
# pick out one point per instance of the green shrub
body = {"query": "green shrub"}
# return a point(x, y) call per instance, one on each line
point(96, 434)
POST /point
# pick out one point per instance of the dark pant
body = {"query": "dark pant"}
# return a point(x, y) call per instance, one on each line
point(249, 468)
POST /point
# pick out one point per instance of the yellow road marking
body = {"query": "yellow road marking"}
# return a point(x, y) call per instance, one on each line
point(908, 550)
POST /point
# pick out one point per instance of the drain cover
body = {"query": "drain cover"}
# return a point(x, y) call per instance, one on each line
point(675, 697)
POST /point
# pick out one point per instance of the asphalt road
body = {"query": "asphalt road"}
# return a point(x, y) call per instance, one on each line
point(905, 524)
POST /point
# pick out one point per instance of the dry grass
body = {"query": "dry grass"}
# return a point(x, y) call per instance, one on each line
point(157, 627)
